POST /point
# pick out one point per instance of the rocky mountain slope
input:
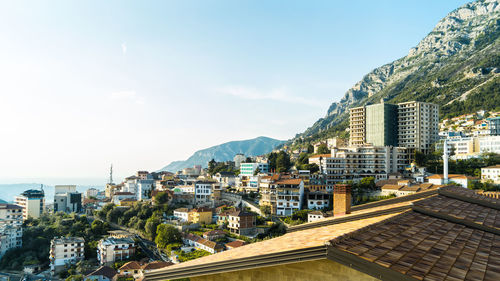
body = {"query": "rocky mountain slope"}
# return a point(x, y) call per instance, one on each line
point(456, 65)
point(226, 152)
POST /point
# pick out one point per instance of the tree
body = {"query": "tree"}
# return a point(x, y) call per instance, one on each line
point(151, 226)
point(419, 158)
point(323, 149)
point(256, 172)
point(265, 209)
point(161, 198)
point(310, 149)
point(167, 234)
point(211, 166)
point(283, 162)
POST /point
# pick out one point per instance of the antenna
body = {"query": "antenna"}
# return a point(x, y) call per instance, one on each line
point(111, 174)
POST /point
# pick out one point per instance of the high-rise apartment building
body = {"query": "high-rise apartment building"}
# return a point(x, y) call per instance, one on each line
point(65, 251)
point(357, 122)
point(381, 124)
point(33, 203)
point(413, 125)
point(11, 231)
point(418, 125)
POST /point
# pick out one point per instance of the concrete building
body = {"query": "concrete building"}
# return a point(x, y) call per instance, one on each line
point(67, 199)
point(182, 214)
point(381, 124)
point(11, 231)
point(203, 191)
point(114, 249)
point(494, 126)
point(91, 192)
point(489, 144)
point(33, 203)
point(357, 129)
point(241, 223)
point(414, 125)
point(289, 196)
point(249, 169)
point(418, 125)
point(238, 159)
point(144, 188)
point(491, 174)
point(461, 180)
point(65, 251)
point(317, 215)
point(354, 163)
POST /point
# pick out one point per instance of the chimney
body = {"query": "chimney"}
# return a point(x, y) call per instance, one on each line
point(341, 199)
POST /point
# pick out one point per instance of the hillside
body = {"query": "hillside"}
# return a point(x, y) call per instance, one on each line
point(226, 152)
point(457, 66)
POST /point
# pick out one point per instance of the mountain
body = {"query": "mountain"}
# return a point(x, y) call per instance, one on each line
point(226, 152)
point(456, 65)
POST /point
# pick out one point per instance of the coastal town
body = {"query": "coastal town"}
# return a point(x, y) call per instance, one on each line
point(153, 221)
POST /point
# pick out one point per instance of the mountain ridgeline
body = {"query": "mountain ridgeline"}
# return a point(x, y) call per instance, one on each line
point(457, 65)
point(226, 152)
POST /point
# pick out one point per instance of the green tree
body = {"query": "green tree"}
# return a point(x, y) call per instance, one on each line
point(265, 209)
point(161, 198)
point(420, 158)
point(151, 226)
point(211, 166)
point(323, 149)
point(167, 234)
point(310, 149)
point(283, 162)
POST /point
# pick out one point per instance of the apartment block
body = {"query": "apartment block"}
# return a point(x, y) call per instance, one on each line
point(414, 125)
point(357, 121)
point(11, 231)
point(241, 223)
point(289, 196)
point(355, 163)
point(249, 169)
point(114, 249)
point(33, 203)
point(418, 125)
point(65, 250)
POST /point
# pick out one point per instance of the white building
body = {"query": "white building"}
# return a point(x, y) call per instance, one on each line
point(65, 251)
point(144, 188)
point(249, 169)
point(461, 180)
point(289, 196)
point(33, 203)
point(119, 196)
point(316, 216)
point(318, 200)
point(67, 199)
point(491, 173)
point(203, 191)
point(418, 125)
point(182, 214)
point(114, 249)
point(91, 192)
point(489, 144)
point(355, 163)
point(11, 231)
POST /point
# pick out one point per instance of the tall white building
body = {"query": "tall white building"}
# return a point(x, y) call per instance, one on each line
point(203, 191)
point(418, 125)
point(33, 203)
point(489, 144)
point(64, 251)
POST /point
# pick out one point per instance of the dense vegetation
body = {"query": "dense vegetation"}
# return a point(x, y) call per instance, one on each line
point(37, 234)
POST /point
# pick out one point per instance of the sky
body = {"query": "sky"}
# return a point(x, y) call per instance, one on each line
point(139, 84)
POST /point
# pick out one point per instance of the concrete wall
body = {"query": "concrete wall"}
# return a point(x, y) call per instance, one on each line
point(311, 270)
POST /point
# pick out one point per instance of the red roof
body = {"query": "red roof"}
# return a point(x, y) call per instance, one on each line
point(236, 244)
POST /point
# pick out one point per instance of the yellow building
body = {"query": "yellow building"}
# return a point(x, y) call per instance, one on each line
point(201, 215)
point(423, 236)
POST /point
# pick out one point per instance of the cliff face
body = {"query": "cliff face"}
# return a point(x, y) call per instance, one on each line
point(456, 61)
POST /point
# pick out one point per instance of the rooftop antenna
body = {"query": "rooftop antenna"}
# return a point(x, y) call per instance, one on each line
point(111, 174)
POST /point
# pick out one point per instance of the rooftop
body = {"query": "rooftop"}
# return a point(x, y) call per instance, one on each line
point(104, 271)
point(61, 240)
point(451, 233)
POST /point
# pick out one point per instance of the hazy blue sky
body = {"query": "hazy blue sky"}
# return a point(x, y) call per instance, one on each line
point(138, 84)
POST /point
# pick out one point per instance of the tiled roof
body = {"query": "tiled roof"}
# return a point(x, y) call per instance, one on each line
point(453, 234)
point(240, 213)
point(236, 244)
point(321, 155)
point(391, 187)
point(181, 210)
point(104, 271)
point(289, 181)
point(492, 167)
point(156, 265)
point(450, 176)
point(381, 183)
point(131, 265)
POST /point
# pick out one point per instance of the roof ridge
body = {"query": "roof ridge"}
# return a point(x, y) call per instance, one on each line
point(481, 200)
